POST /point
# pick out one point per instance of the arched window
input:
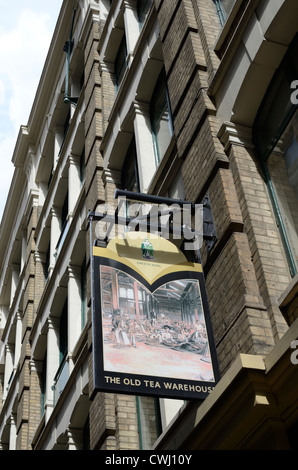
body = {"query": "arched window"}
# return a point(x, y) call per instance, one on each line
point(161, 119)
point(130, 294)
point(122, 292)
point(275, 134)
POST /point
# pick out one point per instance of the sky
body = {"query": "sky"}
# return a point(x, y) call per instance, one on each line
point(26, 30)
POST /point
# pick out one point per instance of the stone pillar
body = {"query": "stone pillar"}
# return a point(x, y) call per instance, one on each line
point(131, 25)
point(74, 439)
point(24, 250)
point(14, 281)
point(40, 276)
point(74, 183)
point(144, 145)
point(12, 433)
point(52, 365)
point(18, 340)
point(74, 306)
point(9, 351)
point(59, 131)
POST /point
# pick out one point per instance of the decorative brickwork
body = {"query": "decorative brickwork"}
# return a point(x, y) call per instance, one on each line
point(252, 298)
point(243, 280)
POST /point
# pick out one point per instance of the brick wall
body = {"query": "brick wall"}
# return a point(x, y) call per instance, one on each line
point(243, 280)
point(113, 418)
point(265, 245)
point(93, 122)
point(25, 419)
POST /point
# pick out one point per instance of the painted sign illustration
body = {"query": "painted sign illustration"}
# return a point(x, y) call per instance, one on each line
point(152, 331)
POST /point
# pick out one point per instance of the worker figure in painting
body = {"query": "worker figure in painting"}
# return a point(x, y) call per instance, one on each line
point(153, 319)
point(118, 332)
point(200, 338)
point(166, 337)
point(147, 249)
point(132, 333)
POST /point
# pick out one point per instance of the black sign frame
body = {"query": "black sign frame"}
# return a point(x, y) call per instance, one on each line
point(146, 383)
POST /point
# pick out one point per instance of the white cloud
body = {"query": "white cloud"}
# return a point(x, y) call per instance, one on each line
point(22, 62)
point(2, 93)
point(6, 173)
point(25, 33)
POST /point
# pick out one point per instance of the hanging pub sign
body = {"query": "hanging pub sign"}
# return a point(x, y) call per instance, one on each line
point(151, 325)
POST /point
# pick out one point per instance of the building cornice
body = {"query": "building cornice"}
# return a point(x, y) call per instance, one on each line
point(55, 60)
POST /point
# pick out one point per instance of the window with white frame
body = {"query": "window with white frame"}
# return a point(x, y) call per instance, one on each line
point(64, 225)
point(84, 293)
point(143, 7)
point(149, 421)
point(120, 63)
point(129, 172)
point(62, 374)
point(275, 134)
point(161, 118)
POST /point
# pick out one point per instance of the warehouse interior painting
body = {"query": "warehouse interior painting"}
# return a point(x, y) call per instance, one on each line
point(167, 327)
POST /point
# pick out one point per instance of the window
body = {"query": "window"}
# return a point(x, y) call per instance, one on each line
point(64, 225)
point(275, 135)
point(129, 173)
point(65, 128)
point(143, 7)
point(43, 379)
point(62, 374)
point(224, 8)
point(46, 264)
point(161, 119)
point(282, 174)
point(63, 333)
point(149, 421)
point(120, 63)
point(64, 212)
point(82, 167)
point(84, 293)
point(130, 176)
